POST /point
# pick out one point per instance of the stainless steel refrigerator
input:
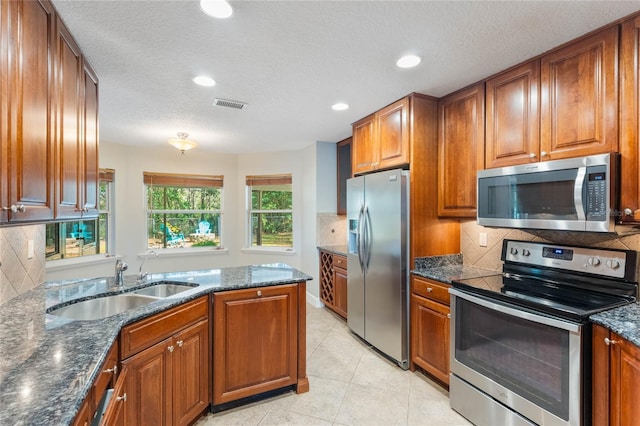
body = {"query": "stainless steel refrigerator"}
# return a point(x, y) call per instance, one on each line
point(378, 256)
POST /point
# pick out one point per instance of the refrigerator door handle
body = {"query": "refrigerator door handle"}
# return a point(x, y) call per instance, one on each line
point(360, 237)
point(367, 238)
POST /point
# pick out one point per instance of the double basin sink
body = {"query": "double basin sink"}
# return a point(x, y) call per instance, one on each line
point(107, 306)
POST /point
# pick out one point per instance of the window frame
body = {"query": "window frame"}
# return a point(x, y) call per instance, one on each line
point(265, 180)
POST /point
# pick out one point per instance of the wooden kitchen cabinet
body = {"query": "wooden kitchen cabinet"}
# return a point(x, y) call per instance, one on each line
point(255, 334)
point(460, 150)
point(27, 122)
point(333, 282)
point(381, 140)
point(115, 413)
point(616, 379)
point(513, 116)
point(430, 321)
point(343, 172)
point(630, 120)
point(167, 359)
point(579, 97)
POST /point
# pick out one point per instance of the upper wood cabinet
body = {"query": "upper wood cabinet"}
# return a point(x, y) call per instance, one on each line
point(460, 150)
point(513, 118)
point(629, 120)
point(48, 118)
point(27, 147)
point(381, 140)
point(579, 97)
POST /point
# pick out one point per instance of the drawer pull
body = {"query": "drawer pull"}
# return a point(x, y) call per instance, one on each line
point(259, 293)
point(113, 370)
point(122, 398)
point(608, 341)
point(171, 348)
point(180, 343)
point(429, 289)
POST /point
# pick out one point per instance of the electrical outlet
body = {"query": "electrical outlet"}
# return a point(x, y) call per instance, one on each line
point(29, 249)
point(483, 239)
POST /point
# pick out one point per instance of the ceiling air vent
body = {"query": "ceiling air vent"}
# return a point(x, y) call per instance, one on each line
point(229, 104)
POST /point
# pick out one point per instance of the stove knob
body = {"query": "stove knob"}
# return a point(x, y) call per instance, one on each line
point(594, 261)
point(514, 251)
point(525, 252)
point(613, 263)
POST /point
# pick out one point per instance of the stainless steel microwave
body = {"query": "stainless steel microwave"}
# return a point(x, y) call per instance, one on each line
point(575, 194)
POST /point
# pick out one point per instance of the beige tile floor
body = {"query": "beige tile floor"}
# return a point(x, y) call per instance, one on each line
point(350, 384)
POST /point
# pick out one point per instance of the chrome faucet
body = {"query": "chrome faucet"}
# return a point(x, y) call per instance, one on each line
point(120, 268)
point(143, 275)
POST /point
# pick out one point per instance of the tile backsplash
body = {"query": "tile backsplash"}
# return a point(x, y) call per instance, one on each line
point(489, 257)
point(18, 273)
point(331, 229)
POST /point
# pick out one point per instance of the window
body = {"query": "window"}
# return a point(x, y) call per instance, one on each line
point(183, 210)
point(87, 237)
point(270, 217)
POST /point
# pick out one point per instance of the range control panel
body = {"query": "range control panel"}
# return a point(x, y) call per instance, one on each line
point(608, 263)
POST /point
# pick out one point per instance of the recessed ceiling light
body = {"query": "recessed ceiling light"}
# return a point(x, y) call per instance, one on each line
point(340, 106)
point(203, 80)
point(408, 61)
point(216, 8)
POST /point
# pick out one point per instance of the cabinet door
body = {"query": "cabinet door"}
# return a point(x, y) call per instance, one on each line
point(89, 143)
point(343, 173)
point(579, 98)
point(28, 151)
point(600, 376)
point(149, 385)
point(364, 150)
point(340, 290)
point(513, 120)
point(190, 373)
point(85, 414)
point(460, 151)
point(255, 340)
point(629, 120)
point(115, 414)
point(393, 134)
point(68, 79)
point(430, 337)
point(625, 382)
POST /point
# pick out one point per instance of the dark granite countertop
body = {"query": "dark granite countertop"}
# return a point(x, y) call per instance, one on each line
point(48, 363)
point(340, 249)
point(448, 268)
point(624, 321)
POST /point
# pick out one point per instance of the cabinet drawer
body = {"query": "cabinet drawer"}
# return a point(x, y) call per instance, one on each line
point(339, 261)
point(431, 289)
point(142, 334)
point(108, 371)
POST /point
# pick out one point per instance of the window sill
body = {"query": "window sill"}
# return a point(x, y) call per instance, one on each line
point(170, 252)
point(63, 264)
point(269, 250)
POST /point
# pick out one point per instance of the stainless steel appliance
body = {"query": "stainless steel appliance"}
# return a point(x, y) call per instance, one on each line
point(521, 340)
point(378, 251)
point(576, 194)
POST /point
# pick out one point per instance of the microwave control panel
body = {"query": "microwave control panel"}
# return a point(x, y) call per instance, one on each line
point(596, 187)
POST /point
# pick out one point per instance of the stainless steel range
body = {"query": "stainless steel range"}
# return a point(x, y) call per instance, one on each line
point(521, 340)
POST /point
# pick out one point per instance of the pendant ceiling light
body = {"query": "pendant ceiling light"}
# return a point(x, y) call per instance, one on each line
point(182, 143)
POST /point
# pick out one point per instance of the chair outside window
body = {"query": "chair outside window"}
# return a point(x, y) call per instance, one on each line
point(203, 227)
point(174, 235)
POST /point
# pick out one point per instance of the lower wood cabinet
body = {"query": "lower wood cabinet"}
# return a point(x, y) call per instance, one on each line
point(255, 334)
point(168, 381)
point(430, 328)
point(616, 379)
point(333, 282)
point(115, 413)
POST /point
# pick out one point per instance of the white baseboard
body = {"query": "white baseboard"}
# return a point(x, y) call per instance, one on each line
point(314, 301)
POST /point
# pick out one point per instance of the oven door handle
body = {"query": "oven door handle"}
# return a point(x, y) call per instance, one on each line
point(524, 314)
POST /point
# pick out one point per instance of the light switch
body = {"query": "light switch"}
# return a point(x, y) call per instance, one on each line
point(30, 249)
point(483, 239)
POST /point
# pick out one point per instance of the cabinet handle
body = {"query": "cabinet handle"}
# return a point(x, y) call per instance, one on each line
point(628, 212)
point(259, 293)
point(429, 289)
point(122, 398)
point(113, 370)
point(15, 209)
point(543, 154)
point(532, 155)
point(171, 348)
point(179, 342)
point(608, 341)
point(449, 316)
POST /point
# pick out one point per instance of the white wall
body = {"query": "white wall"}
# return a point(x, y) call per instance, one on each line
point(130, 162)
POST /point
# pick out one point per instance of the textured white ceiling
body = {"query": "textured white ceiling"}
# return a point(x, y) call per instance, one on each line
point(291, 60)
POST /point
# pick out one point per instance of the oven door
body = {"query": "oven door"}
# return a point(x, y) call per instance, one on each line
point(530, 362)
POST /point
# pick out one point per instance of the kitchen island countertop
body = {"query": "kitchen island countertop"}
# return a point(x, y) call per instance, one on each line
point(48, 363)
point(624, 321)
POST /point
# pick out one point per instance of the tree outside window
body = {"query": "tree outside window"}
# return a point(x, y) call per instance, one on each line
point(270, 211)
point(183, 210)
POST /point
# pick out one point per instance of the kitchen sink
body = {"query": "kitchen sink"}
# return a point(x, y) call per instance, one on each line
point(102, 307)
point(164, 290)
